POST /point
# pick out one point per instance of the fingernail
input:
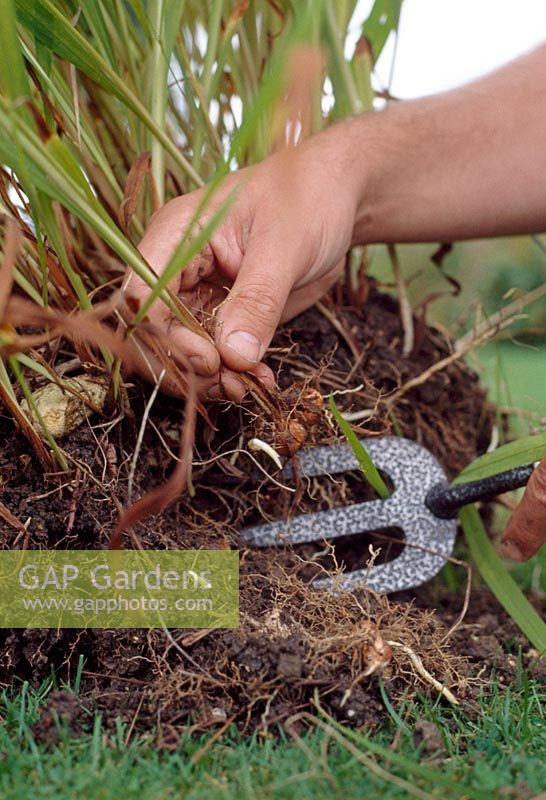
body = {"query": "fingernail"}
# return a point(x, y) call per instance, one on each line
point(198, 363)
point(245, 344)
point(511, 550)
point(215, 392)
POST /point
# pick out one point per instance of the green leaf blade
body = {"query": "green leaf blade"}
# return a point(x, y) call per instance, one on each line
point(367, 466)
point(515, 454)
point(499, 580)
point(383, 19)
point(13, 78)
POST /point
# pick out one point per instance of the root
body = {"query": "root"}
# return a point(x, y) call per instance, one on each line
point(295, 640)
point(424, 673)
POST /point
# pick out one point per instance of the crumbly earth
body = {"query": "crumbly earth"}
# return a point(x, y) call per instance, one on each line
point(294, 641)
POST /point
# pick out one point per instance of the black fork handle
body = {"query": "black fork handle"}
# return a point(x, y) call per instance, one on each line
point(444, 500)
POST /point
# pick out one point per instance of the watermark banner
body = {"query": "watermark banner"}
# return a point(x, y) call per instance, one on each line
point(119, 588)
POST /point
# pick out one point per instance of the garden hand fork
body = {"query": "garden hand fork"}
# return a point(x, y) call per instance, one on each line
point(423, 504)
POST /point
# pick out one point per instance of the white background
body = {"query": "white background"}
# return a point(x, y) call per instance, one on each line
point(443, 43)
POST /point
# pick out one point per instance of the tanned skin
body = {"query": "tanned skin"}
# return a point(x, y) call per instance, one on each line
point(465, 164)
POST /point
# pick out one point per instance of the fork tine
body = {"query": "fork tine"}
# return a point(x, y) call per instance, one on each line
point(413, 469)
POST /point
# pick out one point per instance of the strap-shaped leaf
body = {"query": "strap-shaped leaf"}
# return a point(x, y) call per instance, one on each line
point(367, 466)
point(514, 454)
point(384, 18)
point(50, 27)
point(13, 78)
point(499, 580)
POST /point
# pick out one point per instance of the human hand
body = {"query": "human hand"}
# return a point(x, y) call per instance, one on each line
point(280, 247)
point(526, 531)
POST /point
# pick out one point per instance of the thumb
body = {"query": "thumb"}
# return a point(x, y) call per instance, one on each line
point(248, 317)
point(526, 531)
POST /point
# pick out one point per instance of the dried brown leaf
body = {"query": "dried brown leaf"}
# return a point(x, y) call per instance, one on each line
point(82, 326)
point(437, 259)
point(51, 108)
point(135, 179)
point(27, 429)
point(239, 10)
point(12, 245)
point(11, 519)
point(363, 49)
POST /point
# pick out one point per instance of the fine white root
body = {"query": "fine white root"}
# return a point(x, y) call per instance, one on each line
point(424, 673)
point(258, 444)
point(358, 416)
point(140, 437)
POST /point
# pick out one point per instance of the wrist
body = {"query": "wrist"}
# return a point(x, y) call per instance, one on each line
point(365, 148)
point(356, 147)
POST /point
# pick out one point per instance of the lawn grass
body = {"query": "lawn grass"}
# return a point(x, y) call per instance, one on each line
point(495, 751)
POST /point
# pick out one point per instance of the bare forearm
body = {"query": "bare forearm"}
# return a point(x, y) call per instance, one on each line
point(467, 163)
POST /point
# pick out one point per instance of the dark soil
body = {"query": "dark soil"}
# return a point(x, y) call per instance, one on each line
point(293, 640)
point(65, 713)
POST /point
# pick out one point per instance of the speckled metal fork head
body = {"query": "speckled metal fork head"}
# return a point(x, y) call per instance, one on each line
point(413, 470)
